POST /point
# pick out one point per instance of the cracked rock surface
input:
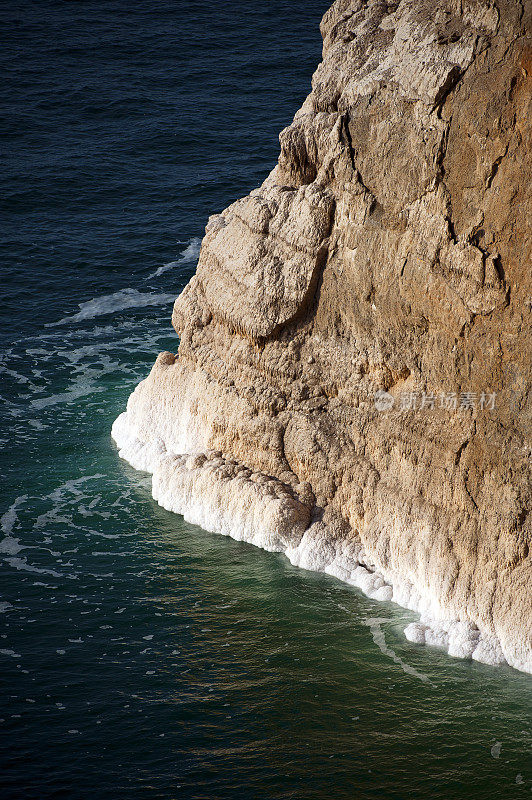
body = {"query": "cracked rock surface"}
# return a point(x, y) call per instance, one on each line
point(389, 251)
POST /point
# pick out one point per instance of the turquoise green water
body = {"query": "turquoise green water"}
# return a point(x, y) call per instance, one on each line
point(154, 659)
point(141, 656)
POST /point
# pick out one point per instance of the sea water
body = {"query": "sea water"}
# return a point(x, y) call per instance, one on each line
point(140, 655)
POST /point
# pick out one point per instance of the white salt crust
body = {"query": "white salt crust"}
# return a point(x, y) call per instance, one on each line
point(222, 496)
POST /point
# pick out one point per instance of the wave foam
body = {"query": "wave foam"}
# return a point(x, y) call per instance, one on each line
point(111, 303)
point(10, 545)
point(189, 254)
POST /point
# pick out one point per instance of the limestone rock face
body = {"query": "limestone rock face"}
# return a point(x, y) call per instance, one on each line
point(354, 370)
point(260, 259)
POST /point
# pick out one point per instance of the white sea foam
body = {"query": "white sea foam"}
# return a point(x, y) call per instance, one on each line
point(189, 255)
point(72, 486)
point(81, 390)
point(20, 378)
point(112, 303)
point(223, 496)
point(496, 750)
point(9, 518)
point(10, 545)
point(374, 624)
point(22, 564)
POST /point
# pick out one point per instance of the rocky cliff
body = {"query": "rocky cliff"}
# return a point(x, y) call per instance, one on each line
point(353, 379)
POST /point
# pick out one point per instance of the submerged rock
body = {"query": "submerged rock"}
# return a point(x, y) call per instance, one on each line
point(353, 379)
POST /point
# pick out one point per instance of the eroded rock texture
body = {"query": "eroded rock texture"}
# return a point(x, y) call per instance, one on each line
point(389, 250)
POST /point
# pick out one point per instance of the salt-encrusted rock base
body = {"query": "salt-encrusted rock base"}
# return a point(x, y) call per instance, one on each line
point(221, 495)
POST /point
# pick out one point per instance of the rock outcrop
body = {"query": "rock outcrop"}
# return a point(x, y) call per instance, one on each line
point(353, 378)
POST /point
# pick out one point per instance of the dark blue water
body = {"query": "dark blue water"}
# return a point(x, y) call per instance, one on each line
point(140, 656)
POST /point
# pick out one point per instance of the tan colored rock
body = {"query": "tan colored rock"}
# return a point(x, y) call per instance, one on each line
point(260, 259)
point(386, 258)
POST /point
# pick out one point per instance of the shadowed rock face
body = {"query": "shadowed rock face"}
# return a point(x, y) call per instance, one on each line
point(388, 251)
